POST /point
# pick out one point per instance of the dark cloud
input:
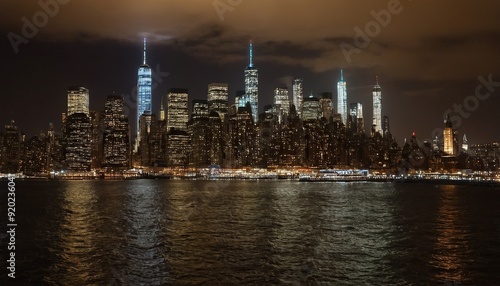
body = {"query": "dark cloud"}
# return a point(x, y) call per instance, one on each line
point(428, 56)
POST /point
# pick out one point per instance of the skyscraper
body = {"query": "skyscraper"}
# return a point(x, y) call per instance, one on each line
point(448, 137)
point(218, 99)
point(281, 103)
point(177, 109)
point(377, 108)
point(200, 109)
point(465, 144)
point(311, 109)
point(78, 135)
point(298, 94)
point(251, 86)
point(11, 159)
point(162, 110)
point(326, 105)
point(143, 90)
point(78, 100)
point(116, 143)
point(342, 98)
point(356, 115)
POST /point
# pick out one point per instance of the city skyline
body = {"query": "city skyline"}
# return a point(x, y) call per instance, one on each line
point(417, 92)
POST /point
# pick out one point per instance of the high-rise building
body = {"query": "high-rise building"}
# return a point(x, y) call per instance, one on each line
point(311, 109)
point(178, 148)
point(326, 105)
point(298, 94)
point(177, 109)
point(144, 81)
point(251, 86)
point(465, 144)
point(377, 108)
point(200, 109)
point(218, 99)
point(162, 110)
point(96, 139)
point(116, 141)
point(78, 100)
point(448, 137)
point(78, 148)
point(11, 159)
point(356, 115)
point(281, 103)
point(386, 126)
point(342, 98)
point(145, 138)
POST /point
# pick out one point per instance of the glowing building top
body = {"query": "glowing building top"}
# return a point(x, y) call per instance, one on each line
point(78, 100)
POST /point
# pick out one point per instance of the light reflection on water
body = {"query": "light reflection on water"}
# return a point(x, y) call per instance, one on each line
point(154, 232)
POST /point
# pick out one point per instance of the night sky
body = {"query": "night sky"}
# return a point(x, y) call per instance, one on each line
point(428, 55)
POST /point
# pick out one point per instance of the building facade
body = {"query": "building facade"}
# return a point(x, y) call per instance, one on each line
point(342, 98)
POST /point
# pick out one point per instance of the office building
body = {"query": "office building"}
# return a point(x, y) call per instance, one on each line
point(177, 109)
point(298, 94)
point(281, 103)
point(116, 141)
point(78, 101)
point(342, 98)
point(144, 93)
point(251, 86)
point(218, 99)
point(377, 108)
point(78, 137)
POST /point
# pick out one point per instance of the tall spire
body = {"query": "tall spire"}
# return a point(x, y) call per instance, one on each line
point(144, 56)
point(341, 75)
point(251, 54)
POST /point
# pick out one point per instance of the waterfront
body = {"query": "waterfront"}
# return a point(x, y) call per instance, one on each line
point(158, 232)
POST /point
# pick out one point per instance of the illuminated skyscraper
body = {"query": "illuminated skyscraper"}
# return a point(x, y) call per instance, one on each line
point(251, 86)
point(11, 158)
point(342, 98)
point(78, 100)
point(465, 144)
point(281, 103)
point(177, 109)
point(78, 136)
point(162, 111)
point(143, 90)
point(326, 105)
point(311, 109)
point(116, 144)
point(218, 99)
point(356, 115)
point(448, 137)
point(377, 108)
point(200, 110)
point(298, 95)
